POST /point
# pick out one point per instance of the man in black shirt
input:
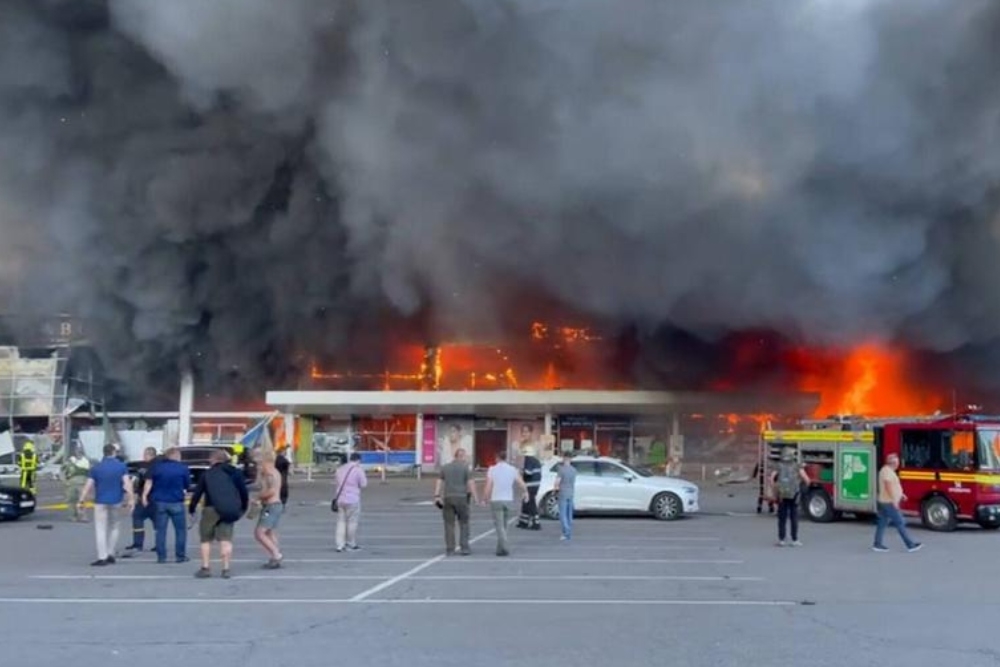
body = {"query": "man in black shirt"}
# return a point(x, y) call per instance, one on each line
point(226, 500)
point(141, 513)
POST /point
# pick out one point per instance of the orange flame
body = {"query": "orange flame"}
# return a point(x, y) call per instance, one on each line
point(871, 381)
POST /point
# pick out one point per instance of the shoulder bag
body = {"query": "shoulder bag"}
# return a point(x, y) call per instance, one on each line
point(333, 503)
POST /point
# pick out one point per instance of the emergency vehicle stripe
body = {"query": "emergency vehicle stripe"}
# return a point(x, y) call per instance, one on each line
point(974, 478)
point(820, 436)
point(916, 474)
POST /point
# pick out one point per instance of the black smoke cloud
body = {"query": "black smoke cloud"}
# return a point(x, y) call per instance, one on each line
point(236, 183)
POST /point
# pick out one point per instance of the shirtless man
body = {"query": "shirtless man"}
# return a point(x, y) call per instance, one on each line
point(269, 500)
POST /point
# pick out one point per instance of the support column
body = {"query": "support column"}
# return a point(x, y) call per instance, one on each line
point(304, 453)
point(186, 408)
point(418, 445)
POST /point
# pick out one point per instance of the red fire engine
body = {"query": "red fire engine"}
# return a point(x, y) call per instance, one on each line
point(949, 466)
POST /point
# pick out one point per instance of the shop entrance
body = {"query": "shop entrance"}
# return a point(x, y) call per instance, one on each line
point(489, 443)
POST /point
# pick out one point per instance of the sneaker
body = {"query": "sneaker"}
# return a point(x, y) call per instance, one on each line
point(781, 543)
point(339, 550)
point(916, 547)
point(354, 547)
point(879, 549)
point(796, 543)
point(183, 559)
point(226, 574)
point(203, 573)
point(563, 538)
point(100, 562)
point(272, 564)
point(502, 552)
point(466, 552)
point(110, 560)
point(133, 547)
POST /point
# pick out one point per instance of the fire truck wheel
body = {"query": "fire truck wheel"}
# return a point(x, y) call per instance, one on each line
point(819, 507)
point(937, 513)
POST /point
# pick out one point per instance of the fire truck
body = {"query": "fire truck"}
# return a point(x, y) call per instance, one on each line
point(949, 466)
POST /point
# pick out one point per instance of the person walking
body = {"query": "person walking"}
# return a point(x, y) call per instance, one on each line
point(890, 495)
point(143, 511)
point(501, 480)
point(224, 490)
point(786, 482)
point(271, 507)
point(75, 471)
point(565, 485)
point(531, 470)
point(452, 492)
point(111, 484)
point(349, 480)
point(166, 484)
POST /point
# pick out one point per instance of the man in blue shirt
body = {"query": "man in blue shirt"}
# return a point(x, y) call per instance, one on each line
point(111, 485)
point(166, 484)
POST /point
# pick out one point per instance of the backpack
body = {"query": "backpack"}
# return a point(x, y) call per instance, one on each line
point(788, 479)
point(221, 489)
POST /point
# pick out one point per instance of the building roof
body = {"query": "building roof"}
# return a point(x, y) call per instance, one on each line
point(512, 403)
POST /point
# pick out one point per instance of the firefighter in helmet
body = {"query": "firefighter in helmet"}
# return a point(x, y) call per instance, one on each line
point(27, 460)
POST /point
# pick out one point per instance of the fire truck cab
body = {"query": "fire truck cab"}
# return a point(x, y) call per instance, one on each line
point(949, 466)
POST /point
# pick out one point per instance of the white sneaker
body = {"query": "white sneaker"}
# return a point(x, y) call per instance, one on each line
point(796, 543)
point(781, 543)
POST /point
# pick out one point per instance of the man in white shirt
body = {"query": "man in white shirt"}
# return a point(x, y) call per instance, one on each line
point(890, 495)
point(501, 480)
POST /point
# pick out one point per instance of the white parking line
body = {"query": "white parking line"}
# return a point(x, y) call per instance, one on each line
point(620, 561)
point(351, 577)
point(427, 601)
point(173, 577)
point(521, 547)
point(419, 568)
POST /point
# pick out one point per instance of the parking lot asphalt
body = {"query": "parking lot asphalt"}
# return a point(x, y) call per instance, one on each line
point(710, 589)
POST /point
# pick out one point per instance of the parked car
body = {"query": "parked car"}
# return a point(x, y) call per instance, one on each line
point(607, 485)
point(15, 502)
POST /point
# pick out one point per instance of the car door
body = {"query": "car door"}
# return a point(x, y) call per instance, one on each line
point(585, 491)
point(618, 488)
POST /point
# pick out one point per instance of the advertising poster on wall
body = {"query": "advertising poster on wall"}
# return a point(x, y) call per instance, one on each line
point(452, 434)
point(428, 443)
point(528, 433)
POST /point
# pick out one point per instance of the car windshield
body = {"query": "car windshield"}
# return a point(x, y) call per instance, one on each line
point(644, 471)
point(988, 449)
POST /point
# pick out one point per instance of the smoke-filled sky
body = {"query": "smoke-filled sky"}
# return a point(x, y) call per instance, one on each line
point(239, 181)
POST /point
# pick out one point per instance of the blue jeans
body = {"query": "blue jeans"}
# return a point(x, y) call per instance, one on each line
point(889, 514)
point(566, 516)
point(174, 513)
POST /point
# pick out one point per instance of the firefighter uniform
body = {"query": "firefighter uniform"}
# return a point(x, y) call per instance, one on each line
point(75, 471)
point(532, 472)
point(27, 460)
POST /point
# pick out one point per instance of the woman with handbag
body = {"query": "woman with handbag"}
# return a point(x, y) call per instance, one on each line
point(349, 481)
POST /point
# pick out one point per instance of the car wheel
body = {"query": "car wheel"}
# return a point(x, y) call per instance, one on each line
point(938, 514)
point(667, 507)
point(550, 506)
point(819, 507)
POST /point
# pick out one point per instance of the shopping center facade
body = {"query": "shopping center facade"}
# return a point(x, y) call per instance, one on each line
point(423, 428)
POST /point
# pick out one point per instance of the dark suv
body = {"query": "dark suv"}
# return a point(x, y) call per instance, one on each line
point(15, 502)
